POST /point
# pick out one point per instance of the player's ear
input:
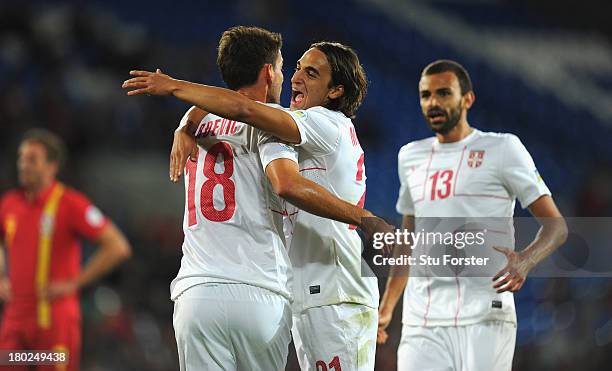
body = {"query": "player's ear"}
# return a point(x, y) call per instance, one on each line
point(468, 99)
point(269, 73)
point(336, 92)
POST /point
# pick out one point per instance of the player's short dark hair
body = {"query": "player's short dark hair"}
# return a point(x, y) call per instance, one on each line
point(346, 70)
point(242, 53)
point(446, 65)
point(54, 145)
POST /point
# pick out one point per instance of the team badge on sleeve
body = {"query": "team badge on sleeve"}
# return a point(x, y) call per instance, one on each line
point(93, 216)
point(475, 158)
point(538, 176)
point(301, 114)
point(285, 146)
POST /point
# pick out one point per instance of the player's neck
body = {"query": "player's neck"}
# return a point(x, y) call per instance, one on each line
point(255, 93)
point(462, 130)
point(34, 191)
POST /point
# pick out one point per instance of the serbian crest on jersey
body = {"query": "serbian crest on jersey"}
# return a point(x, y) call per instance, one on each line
point(475, 158)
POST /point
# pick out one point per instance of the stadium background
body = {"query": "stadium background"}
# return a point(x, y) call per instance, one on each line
point(541, 69)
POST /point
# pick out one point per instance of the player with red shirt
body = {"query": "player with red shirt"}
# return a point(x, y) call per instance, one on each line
point(40, 226)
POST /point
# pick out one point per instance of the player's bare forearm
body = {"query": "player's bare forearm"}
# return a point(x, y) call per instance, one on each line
point(113, 248)
point(316, 200)
point(393, 291)
point(2, 261)
point(552, 233)
point(398, 274)
point(184, 142)
point(396, 284)
point(223, 102)
point(189, 124)
point(311, 197)
point(235, 106)
point(5, 283)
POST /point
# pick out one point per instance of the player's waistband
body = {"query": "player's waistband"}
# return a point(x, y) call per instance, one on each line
point(181, 284)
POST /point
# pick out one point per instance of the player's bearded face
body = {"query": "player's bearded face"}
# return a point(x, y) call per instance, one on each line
point(441, 120)
point(310, 84)
point(441, 101)
point(32, 165)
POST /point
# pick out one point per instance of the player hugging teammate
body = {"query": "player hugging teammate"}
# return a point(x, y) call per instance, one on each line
point(233, 291)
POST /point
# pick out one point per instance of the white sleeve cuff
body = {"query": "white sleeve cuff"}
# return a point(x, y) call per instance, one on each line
point(269, 152)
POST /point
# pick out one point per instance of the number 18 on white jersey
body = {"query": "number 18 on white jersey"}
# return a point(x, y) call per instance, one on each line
point(233, 232)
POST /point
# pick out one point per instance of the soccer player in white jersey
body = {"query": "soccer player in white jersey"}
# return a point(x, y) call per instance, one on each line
point(232, 291)
point(468, 323)
point(335, 306)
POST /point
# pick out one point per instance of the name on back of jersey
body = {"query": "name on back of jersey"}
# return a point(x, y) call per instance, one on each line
point(216, 127)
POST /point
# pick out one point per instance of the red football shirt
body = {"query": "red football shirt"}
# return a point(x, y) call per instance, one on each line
point(42, 241)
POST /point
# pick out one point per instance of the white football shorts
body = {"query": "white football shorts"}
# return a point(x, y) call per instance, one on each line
point(232, 327)
point(483, 346)
point(336, 337)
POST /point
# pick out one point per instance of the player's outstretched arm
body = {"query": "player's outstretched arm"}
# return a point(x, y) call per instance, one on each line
point(396, 283)
point(113, 248)
point(552, 234)
point(315, 199)
point(223, 102)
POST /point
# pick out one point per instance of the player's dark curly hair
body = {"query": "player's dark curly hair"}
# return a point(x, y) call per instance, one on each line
point(346, 71)
point(54, 146)
point(242, 53)
point(446, 65)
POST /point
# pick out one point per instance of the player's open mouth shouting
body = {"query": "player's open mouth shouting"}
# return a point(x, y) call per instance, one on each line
point(298, 97)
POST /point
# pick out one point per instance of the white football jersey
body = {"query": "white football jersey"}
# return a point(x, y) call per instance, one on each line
point(233, 219)
point(326, 254)
point(480, 176)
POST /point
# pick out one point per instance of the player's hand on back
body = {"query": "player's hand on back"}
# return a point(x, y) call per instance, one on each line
point(5, 289)
point(184, 146)
point(513, 275)
point(145, 82)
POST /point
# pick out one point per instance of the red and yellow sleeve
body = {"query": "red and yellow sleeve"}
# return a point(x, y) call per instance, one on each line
point(8, 223)
point(87, 220)
point(2, 222)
